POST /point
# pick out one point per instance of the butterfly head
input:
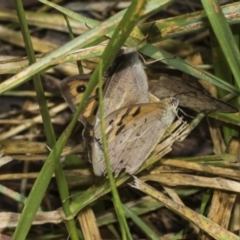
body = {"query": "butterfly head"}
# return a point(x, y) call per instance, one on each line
point(174, 102)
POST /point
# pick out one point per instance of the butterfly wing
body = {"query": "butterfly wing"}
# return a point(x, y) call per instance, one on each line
point(128, 84)
point(72, 89)
point(132, 134)
point(188, 95)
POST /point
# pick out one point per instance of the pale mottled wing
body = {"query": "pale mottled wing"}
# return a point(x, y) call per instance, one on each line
point(189, 96)
point(132, 134)
point(128, 84)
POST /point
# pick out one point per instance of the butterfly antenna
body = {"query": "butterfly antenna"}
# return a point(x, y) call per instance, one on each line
point(184, 113)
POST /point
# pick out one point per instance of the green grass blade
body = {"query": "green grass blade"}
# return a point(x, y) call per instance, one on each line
point(44, 177)
point(225, 117)
point(61, 181)
point(153, 6)
point(87, 38)
point(224, 36)
point(116, 199)
point(36, 78)
point(93, 36)
point(143, 226)
point(88, 21)
point(222, 70)
point(42, 181)
point(79, 64)
point(125, 27)
point(201, 221)
point(189, 23)
point(184, 66)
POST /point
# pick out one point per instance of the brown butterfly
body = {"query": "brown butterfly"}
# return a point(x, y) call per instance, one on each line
point(160, 86)
point(130, 117)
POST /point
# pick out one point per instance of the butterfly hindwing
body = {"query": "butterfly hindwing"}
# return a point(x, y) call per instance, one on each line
point(132, 134)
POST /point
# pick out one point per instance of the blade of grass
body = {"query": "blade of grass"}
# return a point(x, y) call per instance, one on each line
point(170, 59)
point(79, 64)
point(183, 66)
point(202, 222)
point(152, 7)
point(226, 52)
point(228, 118)
point(116, 199)
point(189, 23)
point(222, 70)
point(127, 23)
point(36, 78)
point(141, 207)
point(164, 28)
point(224, 36)
point(102, 188)
point(48, 128)
point(205, 200)
point(93, 36)
point(220, 66)
point(91, 23)
point(130, 19)
point(143, 226)
point(44, 177)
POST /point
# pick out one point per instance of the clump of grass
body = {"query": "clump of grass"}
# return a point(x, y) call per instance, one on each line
point(177, 176)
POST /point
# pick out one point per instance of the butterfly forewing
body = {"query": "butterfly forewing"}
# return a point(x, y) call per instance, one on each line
point(128, 84)
point(72, 89)
point(132, 134)
point(189, 96)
